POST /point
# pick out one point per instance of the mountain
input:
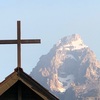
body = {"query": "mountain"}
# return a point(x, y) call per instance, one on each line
point(70, 70)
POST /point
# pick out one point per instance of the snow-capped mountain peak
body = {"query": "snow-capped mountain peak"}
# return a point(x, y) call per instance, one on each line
point(73, 42)
point(69, 66)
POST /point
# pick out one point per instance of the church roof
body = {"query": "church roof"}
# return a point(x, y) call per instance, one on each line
point(20, 75)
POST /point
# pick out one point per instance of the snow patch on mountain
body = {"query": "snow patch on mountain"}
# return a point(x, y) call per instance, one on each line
point(73, 42)
point(66, 81)
point(71, 57)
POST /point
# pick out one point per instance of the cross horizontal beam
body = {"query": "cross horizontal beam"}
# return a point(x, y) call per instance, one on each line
point(23, 41)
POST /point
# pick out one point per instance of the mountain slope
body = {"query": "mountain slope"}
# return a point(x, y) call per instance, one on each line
point(69, 66)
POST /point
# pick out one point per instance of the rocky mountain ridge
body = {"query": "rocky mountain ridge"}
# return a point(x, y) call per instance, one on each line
point(69, 66)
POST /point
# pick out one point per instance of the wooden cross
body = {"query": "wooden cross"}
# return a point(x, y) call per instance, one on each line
point(19, 41)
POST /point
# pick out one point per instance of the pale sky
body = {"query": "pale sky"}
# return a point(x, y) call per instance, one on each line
point(48, 20)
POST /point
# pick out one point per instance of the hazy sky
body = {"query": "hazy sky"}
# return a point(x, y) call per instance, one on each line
point(49, 20)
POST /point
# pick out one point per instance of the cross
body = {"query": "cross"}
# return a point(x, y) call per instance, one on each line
point(19, 41)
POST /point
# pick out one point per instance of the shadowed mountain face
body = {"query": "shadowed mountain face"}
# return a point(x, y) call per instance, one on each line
point(70, 68)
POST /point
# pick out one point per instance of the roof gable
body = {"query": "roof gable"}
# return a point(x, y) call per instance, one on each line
point(19, 75)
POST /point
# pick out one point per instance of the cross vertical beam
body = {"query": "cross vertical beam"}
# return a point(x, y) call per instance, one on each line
point(18, 45)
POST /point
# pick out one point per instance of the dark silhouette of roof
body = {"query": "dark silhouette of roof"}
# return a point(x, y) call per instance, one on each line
point(20, 75)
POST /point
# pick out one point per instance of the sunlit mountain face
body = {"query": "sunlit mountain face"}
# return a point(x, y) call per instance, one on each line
point(70, 70)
